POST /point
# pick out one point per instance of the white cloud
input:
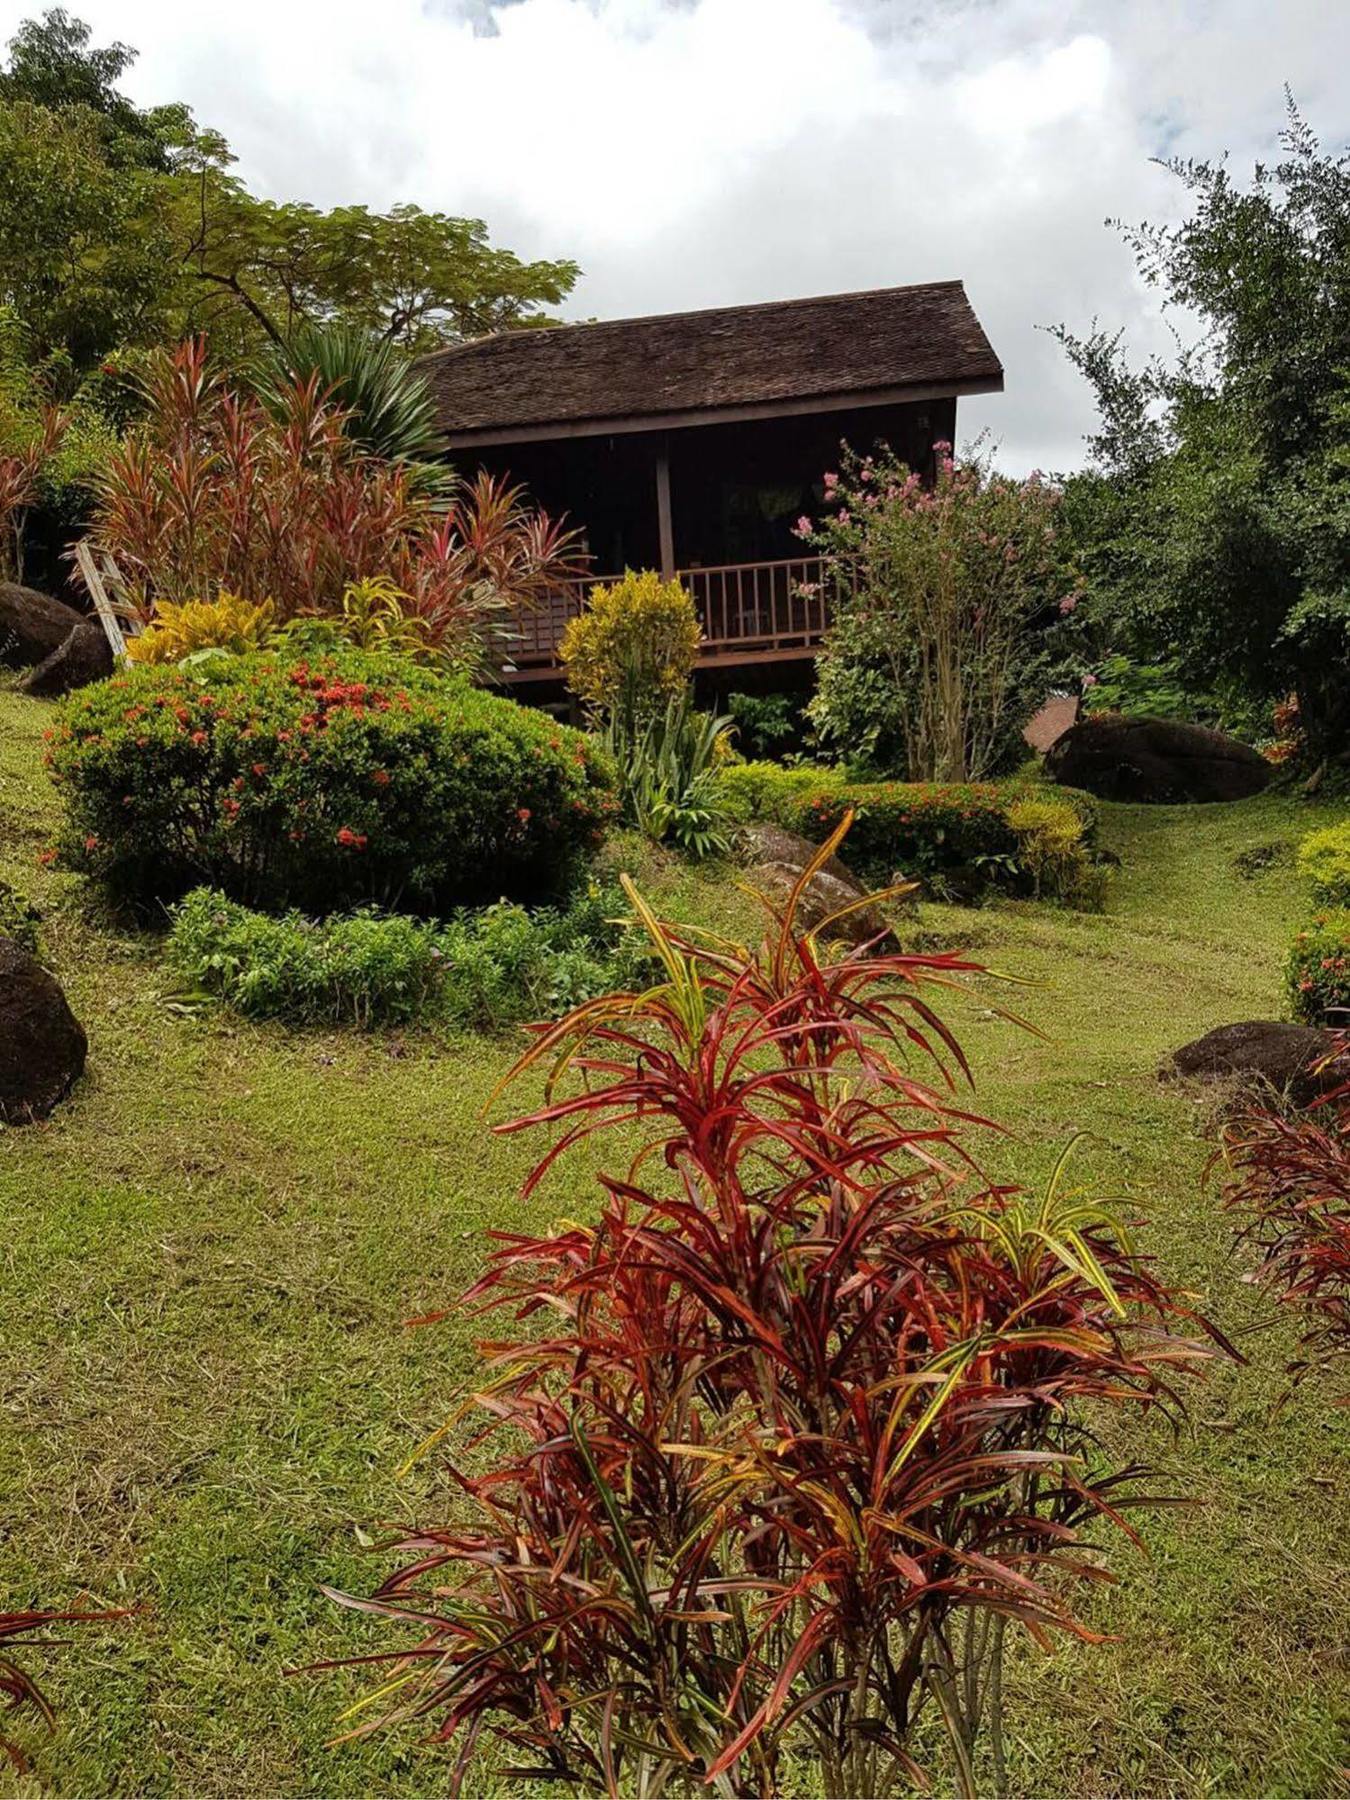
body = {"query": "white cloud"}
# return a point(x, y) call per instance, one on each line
point(694, 152)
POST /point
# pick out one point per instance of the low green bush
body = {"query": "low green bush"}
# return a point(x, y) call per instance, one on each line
point(932, 829)
point(1318, 970)
point(1324, 860)
point(352, 779)
point(364, 968)
point(482, 970)
point(18, 920)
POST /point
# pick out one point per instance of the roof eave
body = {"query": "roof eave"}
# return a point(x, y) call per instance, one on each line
point(912, 393)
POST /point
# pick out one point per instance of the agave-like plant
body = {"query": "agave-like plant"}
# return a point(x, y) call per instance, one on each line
point(670, 772)
point(797, 1426)
point(387, 407)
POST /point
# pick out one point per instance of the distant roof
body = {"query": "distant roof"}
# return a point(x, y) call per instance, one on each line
point(839, 350)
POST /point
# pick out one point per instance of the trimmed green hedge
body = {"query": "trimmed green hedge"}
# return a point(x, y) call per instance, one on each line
point(1318, 970)
point(927, 829)
point(1324, 860)
point(349, 780)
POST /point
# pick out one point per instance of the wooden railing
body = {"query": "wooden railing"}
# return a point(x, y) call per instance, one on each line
point(748, 611)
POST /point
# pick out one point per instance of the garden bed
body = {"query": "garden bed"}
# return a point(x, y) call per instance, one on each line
point(211, 1253)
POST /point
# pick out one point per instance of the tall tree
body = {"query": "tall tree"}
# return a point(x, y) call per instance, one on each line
point(1216, 518)
point(122, 225)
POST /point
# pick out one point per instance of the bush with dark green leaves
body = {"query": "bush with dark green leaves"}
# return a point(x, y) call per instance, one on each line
point(348, 780)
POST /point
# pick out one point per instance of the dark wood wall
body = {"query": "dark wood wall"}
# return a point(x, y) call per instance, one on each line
point(737, 490)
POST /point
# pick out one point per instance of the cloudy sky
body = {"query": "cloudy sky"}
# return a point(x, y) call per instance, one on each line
point(702, 152)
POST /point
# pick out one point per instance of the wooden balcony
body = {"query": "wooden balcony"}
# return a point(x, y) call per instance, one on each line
point(750, 612)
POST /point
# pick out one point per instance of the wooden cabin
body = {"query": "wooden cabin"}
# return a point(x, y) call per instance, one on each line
point(692, 442)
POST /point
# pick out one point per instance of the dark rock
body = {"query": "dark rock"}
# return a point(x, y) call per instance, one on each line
point(42, 1043)
point(32, 625)
point(765, 843)
point(1163, 761)
point(823, 895)
point(1263, 1053)
point(780, 858)
point(85, 656)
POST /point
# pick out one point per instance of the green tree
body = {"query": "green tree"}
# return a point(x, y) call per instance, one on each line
point(1215, 521)
point(124, 226)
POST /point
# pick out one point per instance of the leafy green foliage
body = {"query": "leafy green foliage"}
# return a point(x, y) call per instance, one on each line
point(809, 1425)
point(1216, 526)
point(124, 226)
point(362, 968)
point(481, 970)
point(670, 776)
point(1317, 973)
point(765, 723)
point(946, 600)
point(386, 405)
point(19, 919)
point(1324, 862)
point(351, 780)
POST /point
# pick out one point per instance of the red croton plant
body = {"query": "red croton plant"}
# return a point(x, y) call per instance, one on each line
point(799, 1424)
point(1291, 1186)
point(213, 492)
point(17, 1688)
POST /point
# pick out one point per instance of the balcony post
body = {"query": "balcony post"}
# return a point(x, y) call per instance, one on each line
point(664, 528)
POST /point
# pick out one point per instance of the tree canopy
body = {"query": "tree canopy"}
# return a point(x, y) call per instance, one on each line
point(1216, 517)
point(123, 226)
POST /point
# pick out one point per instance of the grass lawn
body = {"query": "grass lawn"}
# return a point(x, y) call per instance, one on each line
point(208, 1390)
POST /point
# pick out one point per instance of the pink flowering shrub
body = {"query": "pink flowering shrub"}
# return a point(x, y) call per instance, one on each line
point(949, 599)
point(346, 781)
point(1318, 970)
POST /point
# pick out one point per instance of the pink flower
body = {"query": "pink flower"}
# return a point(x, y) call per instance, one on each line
point(831, 481)
point(803, 527)
point(1067, 605)
point(1090, 681)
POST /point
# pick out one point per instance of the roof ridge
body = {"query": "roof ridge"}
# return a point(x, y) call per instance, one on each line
point(696, 312)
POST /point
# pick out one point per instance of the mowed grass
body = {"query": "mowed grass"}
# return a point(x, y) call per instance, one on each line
point(208, 1388)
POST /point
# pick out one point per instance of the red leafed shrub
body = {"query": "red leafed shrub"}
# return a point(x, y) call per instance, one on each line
point(797, 1425)
point(17, 1687)
point(1291, 1182)
point(215, 492)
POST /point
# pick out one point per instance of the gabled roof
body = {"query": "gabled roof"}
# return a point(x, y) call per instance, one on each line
point(730, 362)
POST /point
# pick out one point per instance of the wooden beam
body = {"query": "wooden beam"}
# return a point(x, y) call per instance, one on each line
point(664, 527)
point(620, 424)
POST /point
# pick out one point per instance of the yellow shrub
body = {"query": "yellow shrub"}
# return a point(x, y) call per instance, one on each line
point(226, 623)
point(633, 648)
point(1052, 849)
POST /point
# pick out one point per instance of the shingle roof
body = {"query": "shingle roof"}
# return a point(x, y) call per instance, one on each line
point(838, 346)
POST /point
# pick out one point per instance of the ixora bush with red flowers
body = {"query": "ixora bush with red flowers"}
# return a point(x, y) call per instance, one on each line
point(798, 1425)
point(1291, 1185)
point(1317, 974)
point(347, 780)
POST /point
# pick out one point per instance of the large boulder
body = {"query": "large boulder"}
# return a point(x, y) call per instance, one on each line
point(1157, 760)
point(763, 842)
point(84, 657)
point(32, 625)
point(779, 860)
point(1263, 1053)
point(42, 1043)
